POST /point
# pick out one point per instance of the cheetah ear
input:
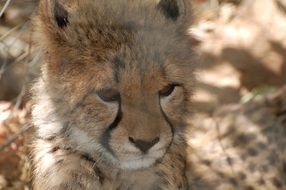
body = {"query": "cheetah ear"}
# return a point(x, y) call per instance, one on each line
point(174, 9)
point(60, 15)
point(53, 12)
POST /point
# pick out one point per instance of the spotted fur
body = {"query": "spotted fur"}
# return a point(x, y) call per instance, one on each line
point(111, 102)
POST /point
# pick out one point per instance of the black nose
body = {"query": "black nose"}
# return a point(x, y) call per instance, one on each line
point(144, 146)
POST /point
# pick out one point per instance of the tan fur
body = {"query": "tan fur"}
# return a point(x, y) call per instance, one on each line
point(134, 48)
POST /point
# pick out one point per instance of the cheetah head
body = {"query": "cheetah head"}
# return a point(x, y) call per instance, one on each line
point(117, 77)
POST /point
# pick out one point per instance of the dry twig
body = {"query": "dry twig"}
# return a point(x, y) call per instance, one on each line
point(5, 7)
point(14, 137)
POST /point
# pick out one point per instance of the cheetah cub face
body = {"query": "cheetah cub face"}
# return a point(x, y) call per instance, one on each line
point(117, 78)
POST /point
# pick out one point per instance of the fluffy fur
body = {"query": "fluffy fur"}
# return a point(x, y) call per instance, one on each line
point(111, 102)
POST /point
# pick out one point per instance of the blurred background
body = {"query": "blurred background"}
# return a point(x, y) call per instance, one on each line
point(242, 57)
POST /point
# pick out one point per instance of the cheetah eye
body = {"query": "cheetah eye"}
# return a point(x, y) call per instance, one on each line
point(108, 95)
point(167, 90)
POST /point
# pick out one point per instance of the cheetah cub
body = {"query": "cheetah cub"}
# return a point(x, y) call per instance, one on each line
point(110, 105)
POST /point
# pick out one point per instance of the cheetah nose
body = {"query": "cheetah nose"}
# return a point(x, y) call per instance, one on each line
point(144, 146)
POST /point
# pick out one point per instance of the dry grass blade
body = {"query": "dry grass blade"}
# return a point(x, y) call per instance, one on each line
point(5, 7)
point(3, 66)
point(14, 137)
point(10, 32)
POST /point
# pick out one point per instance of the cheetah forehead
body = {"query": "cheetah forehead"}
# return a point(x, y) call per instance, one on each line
point(107, 25)
point(106, 12)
